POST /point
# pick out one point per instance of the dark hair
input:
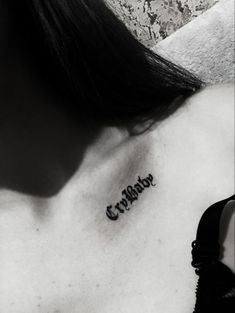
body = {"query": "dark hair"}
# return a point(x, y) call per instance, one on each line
point(93, 62)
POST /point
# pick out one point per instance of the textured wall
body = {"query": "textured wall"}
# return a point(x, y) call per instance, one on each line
point(153, 20)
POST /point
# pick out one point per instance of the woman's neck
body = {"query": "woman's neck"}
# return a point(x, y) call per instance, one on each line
point(41, 146)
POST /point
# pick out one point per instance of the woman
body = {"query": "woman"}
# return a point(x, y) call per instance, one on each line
point(110, 154)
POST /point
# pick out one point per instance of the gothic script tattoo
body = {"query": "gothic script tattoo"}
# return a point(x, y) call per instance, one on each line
point(129, 195)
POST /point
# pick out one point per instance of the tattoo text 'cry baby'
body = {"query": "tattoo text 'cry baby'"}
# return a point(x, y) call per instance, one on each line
point(129, 195)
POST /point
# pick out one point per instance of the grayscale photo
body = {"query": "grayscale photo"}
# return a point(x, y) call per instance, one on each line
point(117, 156)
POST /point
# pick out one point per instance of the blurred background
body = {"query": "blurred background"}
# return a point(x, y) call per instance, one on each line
point(154, 20)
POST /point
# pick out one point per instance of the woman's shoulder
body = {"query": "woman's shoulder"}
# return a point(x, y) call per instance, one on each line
point(213, 108)
point(197, 142)
point(215, 91)
point(208, 106)
point(209, 110)
point(208, 116)
point(215, 97)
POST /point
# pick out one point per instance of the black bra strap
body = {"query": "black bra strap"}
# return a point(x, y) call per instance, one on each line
point(206, 247)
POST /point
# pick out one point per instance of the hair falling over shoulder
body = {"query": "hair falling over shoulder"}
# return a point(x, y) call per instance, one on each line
point(89, 58)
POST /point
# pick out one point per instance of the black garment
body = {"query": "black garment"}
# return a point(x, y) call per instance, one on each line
point(216, 284)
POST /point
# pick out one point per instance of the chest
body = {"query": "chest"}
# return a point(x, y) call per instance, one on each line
point(142, 259)
point(95, 267)
point(73, 258)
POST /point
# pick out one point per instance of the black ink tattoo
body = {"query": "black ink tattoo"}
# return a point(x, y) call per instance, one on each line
point(129, 195)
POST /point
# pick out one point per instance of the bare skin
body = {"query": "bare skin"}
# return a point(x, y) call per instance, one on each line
point(59, 251)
